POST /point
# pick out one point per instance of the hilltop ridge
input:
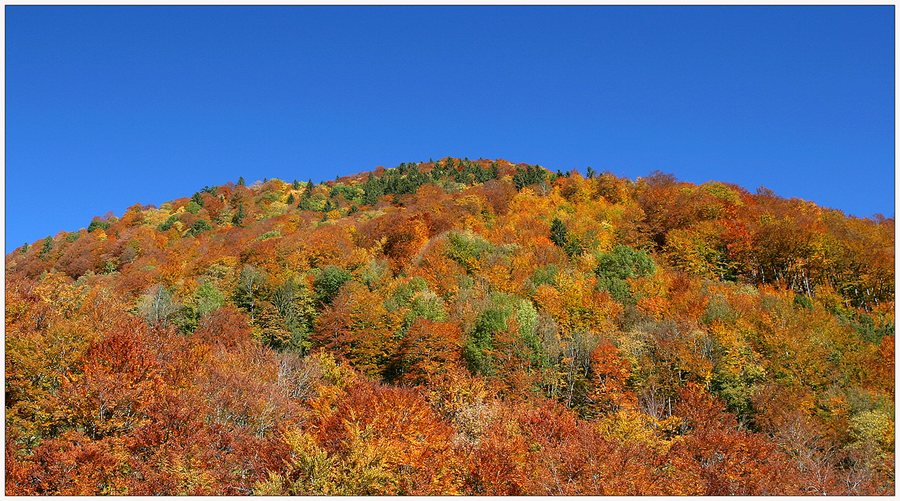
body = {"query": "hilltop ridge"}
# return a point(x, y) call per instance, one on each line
point(455, 327)
point(214, 210)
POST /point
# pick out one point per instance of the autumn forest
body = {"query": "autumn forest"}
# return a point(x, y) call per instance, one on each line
point(455, 327)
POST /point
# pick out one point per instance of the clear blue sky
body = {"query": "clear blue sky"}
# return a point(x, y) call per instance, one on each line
point(111, 106)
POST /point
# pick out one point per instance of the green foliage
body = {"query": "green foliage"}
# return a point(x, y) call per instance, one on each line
point(290, 199)
point(269, 234)
point(47, 247)
point(560, 236)
point(198, 227)
point(527, 318)
point(478, 347)
point(328, 282)
point(618, 265)
point(803, 301)
point(110, 266)
point(193, 207)
point(310, 202)
point(168, 223)
point(208, 298)
point(372, 190)
point(418, 301)
point(472, 172)
point(871, 329)
point(98, 224)
point(467, 249)
point(735, 379)
point(529, 175)
point(545, 275)
point(374, 274)
point(197, 199)
point(241, 181)
point(403, 180)
point(238, 219)
point(722, 192)
point(352, 194)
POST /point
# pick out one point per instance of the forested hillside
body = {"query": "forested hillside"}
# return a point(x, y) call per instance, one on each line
point(455, 327)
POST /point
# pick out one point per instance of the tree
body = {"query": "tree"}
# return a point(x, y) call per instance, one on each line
point(98, 224)
point(328, 283)
point(528, 175)
point(559, 235)
point(622, 263)
point(157, 306)
point(198, 227)
point(238, 219)
point(47, 247)
point(429, 350)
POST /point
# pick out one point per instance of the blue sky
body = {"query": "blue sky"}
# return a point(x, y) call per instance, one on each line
point(112, 106)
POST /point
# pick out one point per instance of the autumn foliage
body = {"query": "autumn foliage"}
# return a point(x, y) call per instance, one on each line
point(455, 327)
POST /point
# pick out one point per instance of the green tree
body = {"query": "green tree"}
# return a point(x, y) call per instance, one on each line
point(48, 246)
point(238, 219)
point(559, 234)
point(165, 225)
point(98, 224)
point(620, 264)
point(198, 227)
point(529, 175)
point(328, 283)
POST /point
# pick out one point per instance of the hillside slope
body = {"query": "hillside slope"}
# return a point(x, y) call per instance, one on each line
point(458, 326)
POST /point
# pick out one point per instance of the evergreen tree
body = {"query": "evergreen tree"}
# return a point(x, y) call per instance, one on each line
point(48, 246)
point(529, 175)
point(559, 234)
point(238, 218)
